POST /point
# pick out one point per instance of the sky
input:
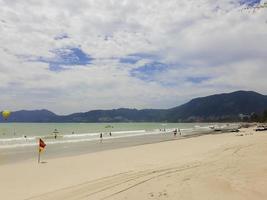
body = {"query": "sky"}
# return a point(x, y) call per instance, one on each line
point(74, 56)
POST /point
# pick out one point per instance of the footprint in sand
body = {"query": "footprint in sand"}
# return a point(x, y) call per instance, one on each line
point(160, 194)
point(186, 179)
point(151, 194)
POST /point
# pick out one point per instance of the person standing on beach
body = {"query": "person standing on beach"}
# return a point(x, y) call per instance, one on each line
point(175, 132)
point(101, 137)
point(110, 134)
point(180, 133)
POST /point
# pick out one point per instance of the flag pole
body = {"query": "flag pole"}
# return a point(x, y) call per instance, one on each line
point(41, 147)
point(39, 155)
point(39, 151)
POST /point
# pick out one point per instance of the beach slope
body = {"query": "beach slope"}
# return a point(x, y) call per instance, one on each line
point(221, 166)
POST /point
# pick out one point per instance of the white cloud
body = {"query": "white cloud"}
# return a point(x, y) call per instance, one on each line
point(207, 38)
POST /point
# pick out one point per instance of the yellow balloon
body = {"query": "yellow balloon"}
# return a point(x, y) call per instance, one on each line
point(6, 114)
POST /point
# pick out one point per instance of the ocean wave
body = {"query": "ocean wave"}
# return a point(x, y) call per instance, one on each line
point(97, 134)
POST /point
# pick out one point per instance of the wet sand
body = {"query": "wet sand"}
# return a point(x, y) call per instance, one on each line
point(11, 155)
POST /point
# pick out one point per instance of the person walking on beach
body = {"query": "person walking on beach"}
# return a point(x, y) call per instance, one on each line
point(101, 137)
point(180, 133)
point(175, 132)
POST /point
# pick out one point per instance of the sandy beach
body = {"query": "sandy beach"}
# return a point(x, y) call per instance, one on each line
point(219, 166)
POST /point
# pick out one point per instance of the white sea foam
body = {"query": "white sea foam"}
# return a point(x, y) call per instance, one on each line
point(84, 135)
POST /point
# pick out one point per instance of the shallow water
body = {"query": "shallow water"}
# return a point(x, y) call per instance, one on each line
point(25, 134)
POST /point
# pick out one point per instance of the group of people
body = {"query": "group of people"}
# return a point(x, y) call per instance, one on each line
point(101, 136)
point(176, 131)
point(55, 132)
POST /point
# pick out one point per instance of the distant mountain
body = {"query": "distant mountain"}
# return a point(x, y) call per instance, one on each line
point(117, 115)
point(32, 116)
point(220, 107)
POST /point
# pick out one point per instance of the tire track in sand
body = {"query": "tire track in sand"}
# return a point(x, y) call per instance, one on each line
point(111, 186)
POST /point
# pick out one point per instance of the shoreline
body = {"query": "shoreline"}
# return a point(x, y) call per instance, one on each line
point(21, 154)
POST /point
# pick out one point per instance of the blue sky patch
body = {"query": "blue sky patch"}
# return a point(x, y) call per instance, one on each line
point(134, 58)
point(66, 57)
point(129, 60)
point(197, 80)
point(249, 2)
point(148, 71)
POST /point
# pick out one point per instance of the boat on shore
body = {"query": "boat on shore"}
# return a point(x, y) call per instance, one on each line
point(261, 128)
point(228, 128)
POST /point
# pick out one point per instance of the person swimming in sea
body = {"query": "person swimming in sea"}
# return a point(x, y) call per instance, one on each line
point(55, 133)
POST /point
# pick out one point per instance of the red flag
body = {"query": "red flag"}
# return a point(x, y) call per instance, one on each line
point(41, 145)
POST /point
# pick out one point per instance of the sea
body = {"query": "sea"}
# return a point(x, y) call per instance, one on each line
point(14, 135)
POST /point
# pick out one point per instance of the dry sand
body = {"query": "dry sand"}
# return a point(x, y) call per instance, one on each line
point(210, 167)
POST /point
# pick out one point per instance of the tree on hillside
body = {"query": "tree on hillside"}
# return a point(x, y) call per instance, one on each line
point(264, 116)
point(255, 117)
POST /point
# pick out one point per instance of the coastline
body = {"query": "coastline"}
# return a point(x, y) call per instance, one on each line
point(21, 154)
point(214, 166)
